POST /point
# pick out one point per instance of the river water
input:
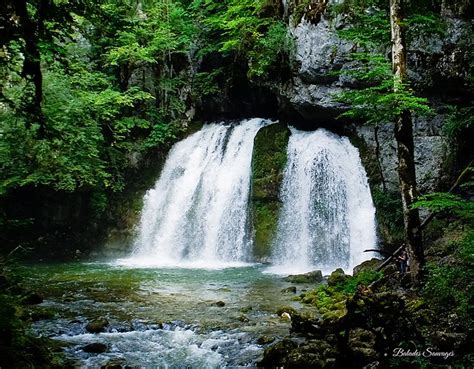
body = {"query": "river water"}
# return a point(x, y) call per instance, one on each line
point(160, 318)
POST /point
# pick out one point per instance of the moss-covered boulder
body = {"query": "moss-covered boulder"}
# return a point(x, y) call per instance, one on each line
point(337, 277)
point(371, 264)
point(268, 163)
point(315, 276)
point(97, 326)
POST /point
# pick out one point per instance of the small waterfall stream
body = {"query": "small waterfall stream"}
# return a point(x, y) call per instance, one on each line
point(197, 213)
point(327, 218)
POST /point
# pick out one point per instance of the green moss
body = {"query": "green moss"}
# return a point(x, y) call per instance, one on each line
point(268, 162)
point(265, 222)
point(331, 300)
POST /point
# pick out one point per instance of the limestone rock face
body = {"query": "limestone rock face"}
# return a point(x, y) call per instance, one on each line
point(437, 67)
point(432, 150)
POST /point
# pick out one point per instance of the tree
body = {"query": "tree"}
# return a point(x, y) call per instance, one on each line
point(405, 146)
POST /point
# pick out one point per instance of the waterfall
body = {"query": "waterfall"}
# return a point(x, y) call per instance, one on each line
point(327, 217)
point(197, 213)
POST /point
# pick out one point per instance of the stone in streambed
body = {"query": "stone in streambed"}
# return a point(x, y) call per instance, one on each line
point(310, 277)
point(115, 364)
point(264, 340)
point(95, 348)
point(291, 289)
point(219, 303)
point(97, 325)
point(32, 298)
point(286, 309)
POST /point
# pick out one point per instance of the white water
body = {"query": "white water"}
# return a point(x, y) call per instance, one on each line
point(197, 213)
point(166, 348)
point(327, 218)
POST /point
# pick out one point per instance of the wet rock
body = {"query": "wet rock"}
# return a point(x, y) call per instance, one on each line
point(95, 348)
point(371, 264)
point(264, 340)
point(243, 318)
point(285, 309)
point(291, 289)
point(361, 344)
point(448, 341)
point(337, 277)
point(97, 325)
point(32, 298)
point(115, 364)
point(41, 313)
point(219, 303)
point(307, 324)
point(277, 354)
point(246, 309)
point(315, 276)
point(312, 354)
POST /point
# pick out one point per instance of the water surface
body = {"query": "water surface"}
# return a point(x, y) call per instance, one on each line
point(167, 317)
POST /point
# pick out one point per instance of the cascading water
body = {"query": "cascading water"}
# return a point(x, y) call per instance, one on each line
point(197, 212)
point(327, 218)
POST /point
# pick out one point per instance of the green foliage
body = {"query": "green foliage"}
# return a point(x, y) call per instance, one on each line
point(454, 204)
point(331, 300)
point(247, 29)
point(205, 84)
point(460, 122)
point(92, 118)
point(369, 31)
point(382, 98)
point(449, 288)
point(385, 98)
point(427, 23)
point(268, 50)
point(76, 115)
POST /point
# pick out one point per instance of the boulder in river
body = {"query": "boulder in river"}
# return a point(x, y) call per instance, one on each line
point(291, 289)
point(97, 325)
point(311, 277)
point(33, 298)
point(95, 348)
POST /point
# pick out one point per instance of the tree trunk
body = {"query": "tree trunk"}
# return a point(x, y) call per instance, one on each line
point(405, 148)
point(32, 63)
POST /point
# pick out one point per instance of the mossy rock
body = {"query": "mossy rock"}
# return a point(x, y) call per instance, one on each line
point(268, 163)
point(371, 264)
point(337, 277)
point(315, 276)
point(286, 309)
point(291, 289)
point(276, 355)
point(97, 326)
point(313, 354)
